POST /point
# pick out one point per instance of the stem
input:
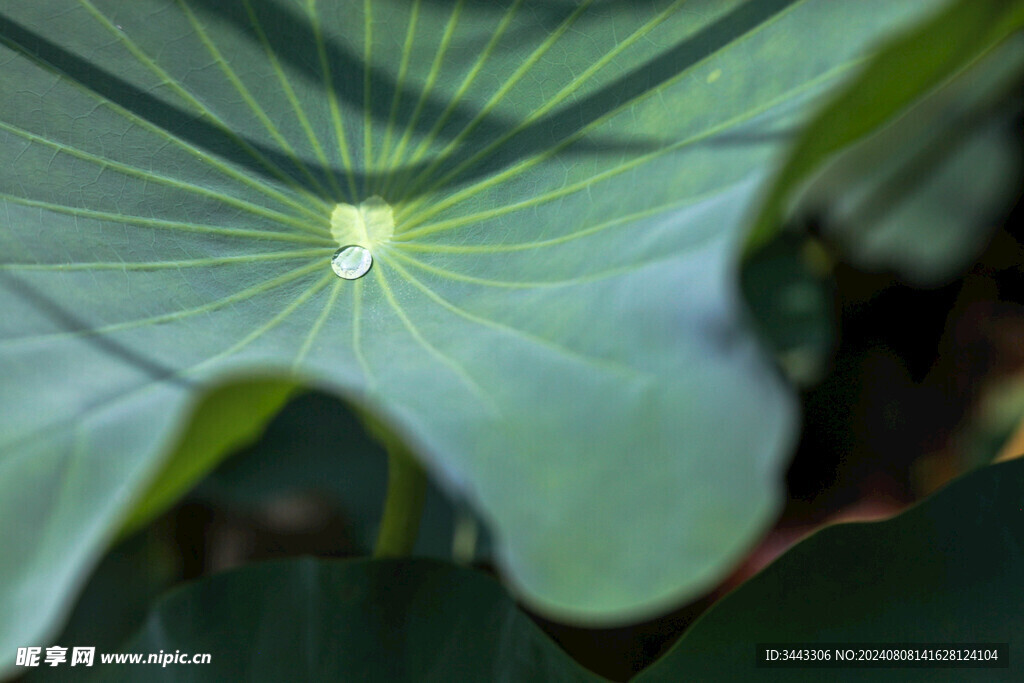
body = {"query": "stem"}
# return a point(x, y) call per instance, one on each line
point(407, 488)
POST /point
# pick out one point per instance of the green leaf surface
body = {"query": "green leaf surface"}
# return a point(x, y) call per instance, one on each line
point(380, 620)
point(553, 327)
point(902, 73)
point(945, 571)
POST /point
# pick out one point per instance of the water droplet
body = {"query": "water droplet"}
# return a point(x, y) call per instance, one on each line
point(351, 262)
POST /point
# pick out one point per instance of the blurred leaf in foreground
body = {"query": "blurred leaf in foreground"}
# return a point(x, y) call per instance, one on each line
point(361, 620)
point(946, 571)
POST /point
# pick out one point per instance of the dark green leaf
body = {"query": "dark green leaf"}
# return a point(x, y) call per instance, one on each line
point(945, 571)
point(379, 620)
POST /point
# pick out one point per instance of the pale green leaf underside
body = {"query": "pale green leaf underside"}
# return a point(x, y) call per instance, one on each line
point(554, 325)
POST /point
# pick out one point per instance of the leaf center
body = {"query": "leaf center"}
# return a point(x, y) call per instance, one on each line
point(367, 225)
